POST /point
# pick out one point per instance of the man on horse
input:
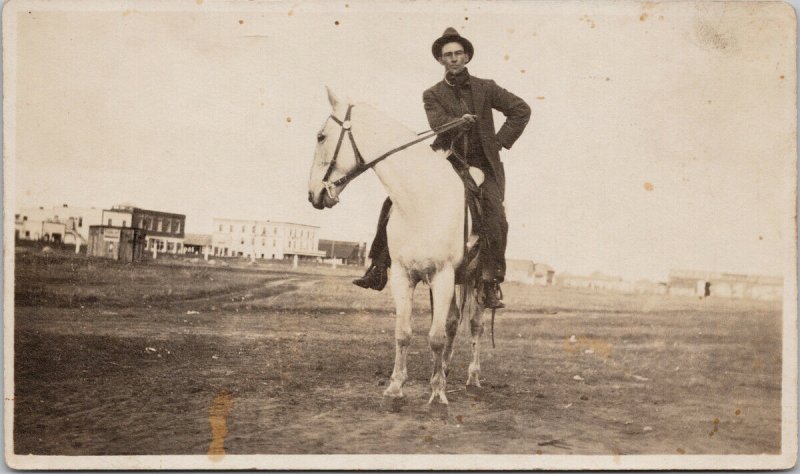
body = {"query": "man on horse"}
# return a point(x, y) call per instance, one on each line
point(461, 95)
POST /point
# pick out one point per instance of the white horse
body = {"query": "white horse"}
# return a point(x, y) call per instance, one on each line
point(425, 230)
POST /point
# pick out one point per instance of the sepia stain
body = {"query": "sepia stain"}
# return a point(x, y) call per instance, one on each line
point(661, 17)
point(680, 451)
point(241, 22)
point(460, 419)
point(510, 31)
point(505, 57)
point(539, 451)
point(466, 18)
point(522, 71)
point(199, 2)
point(648, 186)
point(643, 17)
point(712, 38)
point(347, 5)
point(541, 97)
point(737, 412)
point(782, 77)
point(336, 22)
point(217, 416)
point(126, 13)
point(760, 237)
point(288, 119)
point(290, 13)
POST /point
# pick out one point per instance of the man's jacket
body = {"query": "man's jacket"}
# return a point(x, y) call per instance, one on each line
point(442, 106)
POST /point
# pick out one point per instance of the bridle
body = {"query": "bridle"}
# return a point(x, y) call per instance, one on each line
point(345, 124)
point(362, 165)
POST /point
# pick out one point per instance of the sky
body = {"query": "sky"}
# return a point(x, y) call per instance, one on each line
point(662, 134)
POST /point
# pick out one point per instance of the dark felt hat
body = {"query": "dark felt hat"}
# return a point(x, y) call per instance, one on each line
point(450, 35)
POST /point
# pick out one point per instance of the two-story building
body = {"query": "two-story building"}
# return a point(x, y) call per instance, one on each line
point(164, 231)
point(264, 239)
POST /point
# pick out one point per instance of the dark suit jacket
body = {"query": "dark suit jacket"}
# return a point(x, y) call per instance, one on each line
point(441, 106)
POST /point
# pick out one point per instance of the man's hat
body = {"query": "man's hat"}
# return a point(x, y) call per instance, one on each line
point(450, 35)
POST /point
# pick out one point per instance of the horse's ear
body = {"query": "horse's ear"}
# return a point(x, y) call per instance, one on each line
point(332, 98)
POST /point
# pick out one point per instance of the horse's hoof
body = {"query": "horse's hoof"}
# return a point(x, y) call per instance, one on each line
point(393, 392)
point(441, 397)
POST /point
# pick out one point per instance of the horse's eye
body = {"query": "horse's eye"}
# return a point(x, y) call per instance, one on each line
point(320, 138)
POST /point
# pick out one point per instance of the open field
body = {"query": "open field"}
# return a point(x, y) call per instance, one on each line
point(160, 358)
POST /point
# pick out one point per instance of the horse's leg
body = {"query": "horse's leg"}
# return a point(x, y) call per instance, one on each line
point(402, 291)
point(475, 312)
point(443, 285)
point(451, 328)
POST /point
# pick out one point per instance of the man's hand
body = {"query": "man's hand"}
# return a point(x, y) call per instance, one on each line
point(469, 118)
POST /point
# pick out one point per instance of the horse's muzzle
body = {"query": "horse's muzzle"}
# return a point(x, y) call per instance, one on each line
point(318, 204)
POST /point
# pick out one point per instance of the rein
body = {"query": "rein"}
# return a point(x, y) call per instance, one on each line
point(330, 187)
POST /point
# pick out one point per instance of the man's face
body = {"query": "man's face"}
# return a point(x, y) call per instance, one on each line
point(453, 57)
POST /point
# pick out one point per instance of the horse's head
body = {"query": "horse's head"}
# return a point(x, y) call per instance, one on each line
point(333, 158)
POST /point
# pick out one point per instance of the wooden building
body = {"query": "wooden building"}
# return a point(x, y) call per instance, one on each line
point(126, 244)
point(347, 253)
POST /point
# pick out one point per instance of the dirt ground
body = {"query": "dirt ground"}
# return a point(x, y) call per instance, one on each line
point(171, 358)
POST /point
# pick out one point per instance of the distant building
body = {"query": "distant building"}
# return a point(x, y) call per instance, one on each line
point(56, 224)
point(197, 244)
point(529, 272)
point(728, 285)
point(595, 281)
point(164, 231)
point(117, 243)
point(347, 253)
point(264, 239)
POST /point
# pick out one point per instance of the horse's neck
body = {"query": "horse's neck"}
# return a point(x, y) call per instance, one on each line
point(413, 177)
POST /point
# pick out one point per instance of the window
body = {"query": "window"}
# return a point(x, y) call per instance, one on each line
point(274, 230)
point(242, 228)
point(231, 229)
point(263, 243)
point(264, 231)
point(220, 229)
point(109, 222)
point(242, 241)
point(167, 225)
point(80, 222)
point(124, 223)
point(274, 243)
point(254, 229)
point(27, 233)
point(178, 227)
point(159, 225)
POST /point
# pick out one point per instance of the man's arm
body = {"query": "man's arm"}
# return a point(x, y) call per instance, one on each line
point(438, 115)
point(517, 113)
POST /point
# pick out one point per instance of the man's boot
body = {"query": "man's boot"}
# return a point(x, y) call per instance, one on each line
point(492, 295)
point(375, 278)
